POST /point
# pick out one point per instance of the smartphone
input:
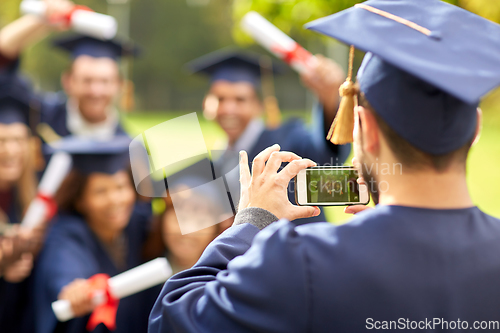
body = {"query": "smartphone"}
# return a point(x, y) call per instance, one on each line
point(330, 186)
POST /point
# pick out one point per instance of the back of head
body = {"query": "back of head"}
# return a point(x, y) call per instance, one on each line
point(423, 125)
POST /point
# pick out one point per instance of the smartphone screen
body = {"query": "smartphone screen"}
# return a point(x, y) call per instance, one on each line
point(330, 186)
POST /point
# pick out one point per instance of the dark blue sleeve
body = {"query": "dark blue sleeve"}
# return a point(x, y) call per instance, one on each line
point(228, 289)
point(63, 259)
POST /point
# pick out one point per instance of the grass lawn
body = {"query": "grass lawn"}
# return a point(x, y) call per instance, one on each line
point(482, 174)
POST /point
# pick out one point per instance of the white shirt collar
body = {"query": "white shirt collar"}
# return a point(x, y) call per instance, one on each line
point(249, 138)
point(79, 126)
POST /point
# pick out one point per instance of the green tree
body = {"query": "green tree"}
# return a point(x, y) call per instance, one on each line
point(291, 15)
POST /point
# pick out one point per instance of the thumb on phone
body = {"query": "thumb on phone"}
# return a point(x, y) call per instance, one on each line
point(355, 209)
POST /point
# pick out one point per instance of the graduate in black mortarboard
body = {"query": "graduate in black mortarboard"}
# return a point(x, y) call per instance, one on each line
point(425, 257)
point(18, 182)
point(98, 230)
point(197, 209)
point(234, 96)
point(92, 84)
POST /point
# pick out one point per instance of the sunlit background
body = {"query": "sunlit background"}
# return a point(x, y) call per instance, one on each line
point(171, 33)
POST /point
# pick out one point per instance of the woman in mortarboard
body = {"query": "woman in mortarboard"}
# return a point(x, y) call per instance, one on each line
point(97, 231)
point(18, 246)
point(195, 213)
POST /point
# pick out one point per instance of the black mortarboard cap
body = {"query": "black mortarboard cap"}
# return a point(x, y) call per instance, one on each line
point(429, 64)
point(79, 45)
point(232, 65)
point(15, 98)
point(93, 156)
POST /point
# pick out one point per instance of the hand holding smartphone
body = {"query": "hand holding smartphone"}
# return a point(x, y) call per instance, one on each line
point(330, 186)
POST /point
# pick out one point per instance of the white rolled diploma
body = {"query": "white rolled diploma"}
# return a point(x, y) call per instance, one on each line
point(86, 22)
point(122, 285)
point(57, 169)
point(273, 39)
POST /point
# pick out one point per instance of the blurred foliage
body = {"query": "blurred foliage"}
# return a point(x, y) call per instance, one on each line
point(291, 15)
point(9, 10)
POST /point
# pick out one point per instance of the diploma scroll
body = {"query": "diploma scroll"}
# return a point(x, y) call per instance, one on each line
point(277, 42)
point(83, 21)
point(38, 210)
point(122, 285)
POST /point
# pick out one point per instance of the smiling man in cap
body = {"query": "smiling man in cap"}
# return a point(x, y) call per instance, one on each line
point(425, 257)
point(92, 84)
point(236, 81)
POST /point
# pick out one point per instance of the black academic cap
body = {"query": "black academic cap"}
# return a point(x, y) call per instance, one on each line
point(79, 45)
point(232, 65)
point(15, 98)
point(94, 156)
point(429, 64)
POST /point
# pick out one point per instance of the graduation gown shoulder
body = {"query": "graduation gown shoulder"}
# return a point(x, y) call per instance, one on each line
point(15, 298)
point(390, 263)
point(306, 141)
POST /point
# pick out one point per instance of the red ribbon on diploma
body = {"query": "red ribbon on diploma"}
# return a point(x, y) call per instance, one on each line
point(66, 18)
point(106, 312)
point(50, 203)
point(298, 53)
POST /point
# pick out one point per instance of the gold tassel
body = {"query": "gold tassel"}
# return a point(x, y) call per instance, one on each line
point(128, 98)
point(273, 113)
point(47, 133)
point(271, 106)
point(340, 132)
point(37, 153)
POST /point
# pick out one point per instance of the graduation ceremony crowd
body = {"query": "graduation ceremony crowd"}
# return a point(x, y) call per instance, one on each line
point(425, 251)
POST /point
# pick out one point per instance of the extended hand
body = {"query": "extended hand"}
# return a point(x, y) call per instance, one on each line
point(324, 81)
point(57, 11)
point(267, 188)
point(79, 294)
point(19, 270)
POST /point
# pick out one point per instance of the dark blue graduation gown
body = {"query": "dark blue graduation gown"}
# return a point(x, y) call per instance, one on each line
point(73, 251)
point(15, 298)
point(388, 263)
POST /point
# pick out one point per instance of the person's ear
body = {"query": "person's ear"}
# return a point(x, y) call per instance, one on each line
point(65, 81)
point(210, 106)
point(479, 126)
point(368, 129)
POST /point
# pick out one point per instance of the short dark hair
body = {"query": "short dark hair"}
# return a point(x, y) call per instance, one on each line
point(72, 188)
point(411, 156)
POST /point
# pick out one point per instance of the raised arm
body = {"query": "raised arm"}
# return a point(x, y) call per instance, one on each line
point(244, 279)
point(29, 29)
point(324, 82)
